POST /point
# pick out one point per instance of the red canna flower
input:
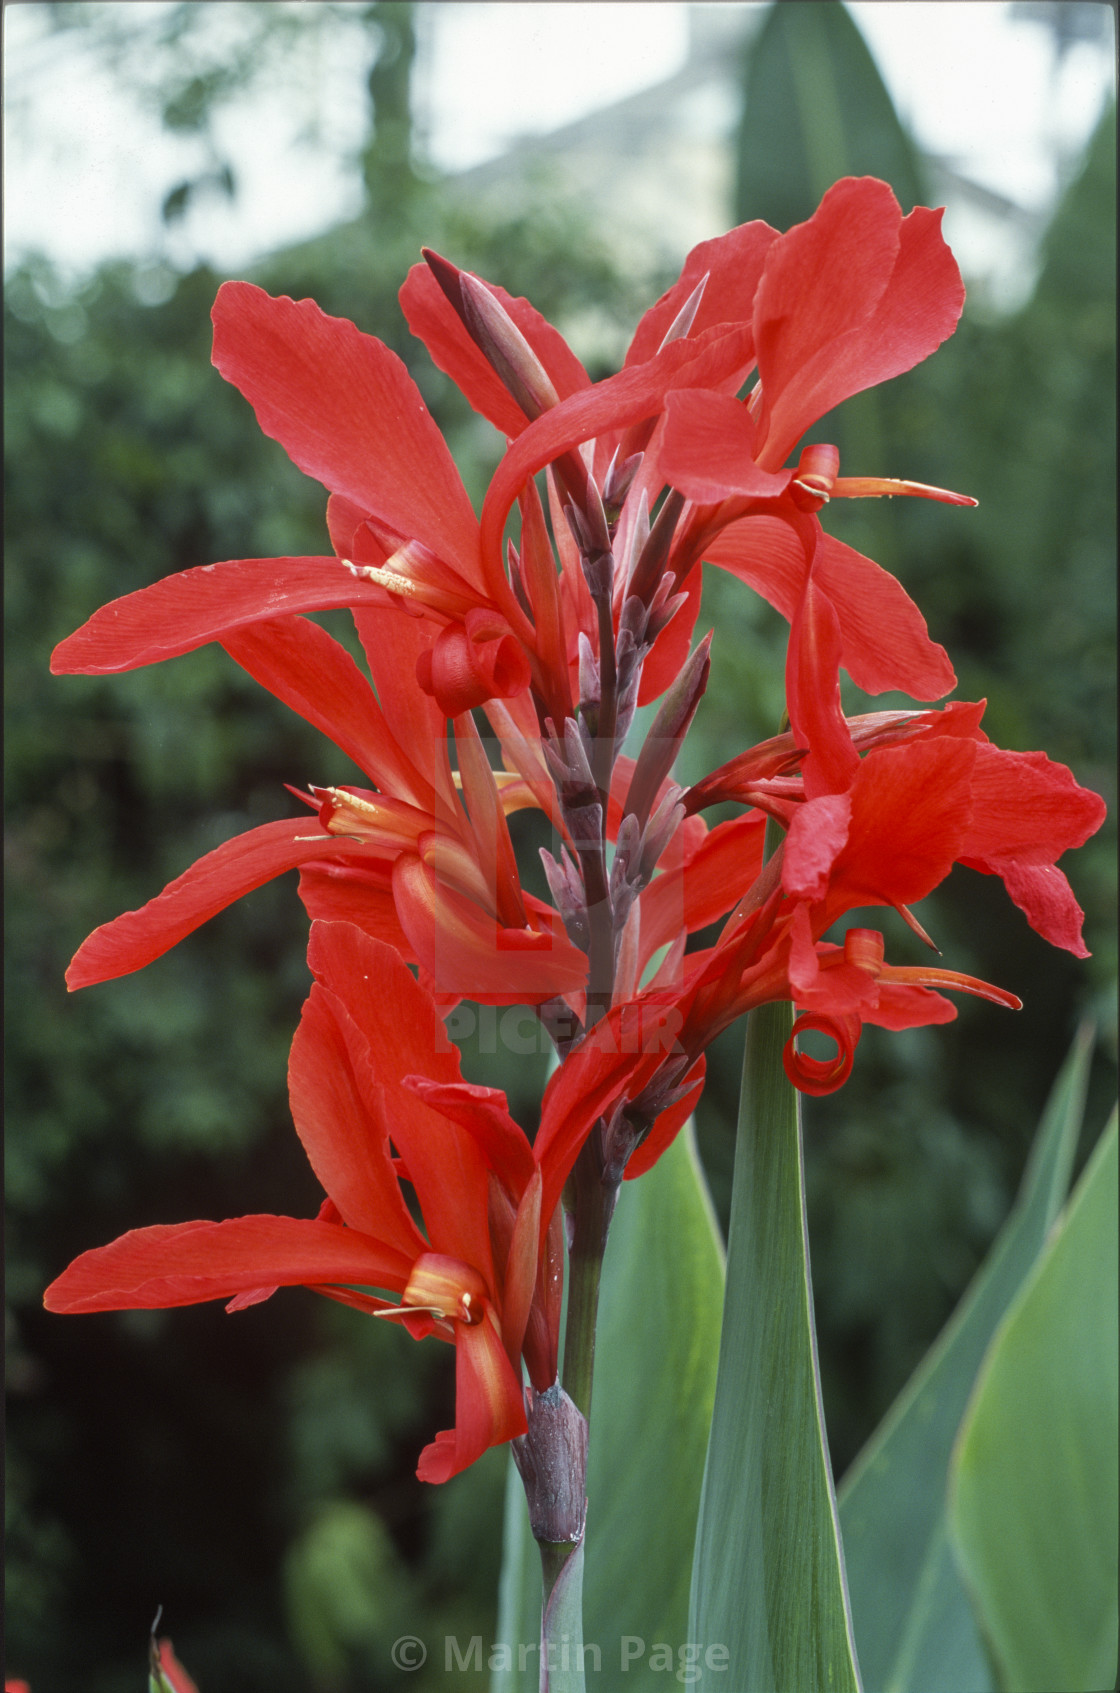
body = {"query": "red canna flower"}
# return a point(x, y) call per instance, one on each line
point(371, 1071)
point(561, 637)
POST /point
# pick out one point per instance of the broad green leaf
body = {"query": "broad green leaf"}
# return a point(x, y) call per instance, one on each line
point(914, 1625)
point(768, 1577)
point(1033, 1490)
point(655, 1359)
point(816, 109)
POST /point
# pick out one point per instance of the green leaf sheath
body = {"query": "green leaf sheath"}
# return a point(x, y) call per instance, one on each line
point(768, 1577)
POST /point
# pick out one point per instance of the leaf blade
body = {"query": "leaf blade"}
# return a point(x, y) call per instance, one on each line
point(892, 1500)
point(768, 1552)
point(1034, 1480)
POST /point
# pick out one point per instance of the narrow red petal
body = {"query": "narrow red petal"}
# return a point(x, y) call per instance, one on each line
point(186, 1263)
point(195, 606)
point(347, 412)
point(333, 1102)
point(305, 667)
point(207, 887)
point(813, 694)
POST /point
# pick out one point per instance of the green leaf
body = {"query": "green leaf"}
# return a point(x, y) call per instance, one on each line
point(914, 1624)
point(768, 1577)
point(1034, 1481)
point(816, 109)
point(655, 1361)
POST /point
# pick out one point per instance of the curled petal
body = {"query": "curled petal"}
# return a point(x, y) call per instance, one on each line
point(815, 1075)
point(464, 670)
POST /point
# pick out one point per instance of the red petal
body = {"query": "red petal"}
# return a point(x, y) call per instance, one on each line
point(171, 1670)
point(1027, 807)
point(468, 953)
point(186, 1263)
point(910, 811)
point(488, 1403)
point(347, 412)
point(306, 668)
point(707, 450)
point(362, 894)
point(819, 1076)
point(484, 1114)
point(852, 297)
point(404, 1036)
point(732, 264)
point(1047, 901)
point(1026, 812)
point(885, 643)
point(813, 694)
point(393, 645)
point(619, 1056)
point(208, 886)
point(901, 1006)
point(522, 1264)
point(333, 1099)
point(717, 873)
point(187, 610)
point(816, 835)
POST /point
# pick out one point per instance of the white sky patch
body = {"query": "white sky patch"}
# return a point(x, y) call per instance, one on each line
point(519, 67)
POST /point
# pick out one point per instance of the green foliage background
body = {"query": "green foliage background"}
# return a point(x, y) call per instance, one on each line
point(254, 1474)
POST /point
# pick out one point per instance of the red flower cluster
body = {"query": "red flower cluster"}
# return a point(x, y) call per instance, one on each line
point(557, 636)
